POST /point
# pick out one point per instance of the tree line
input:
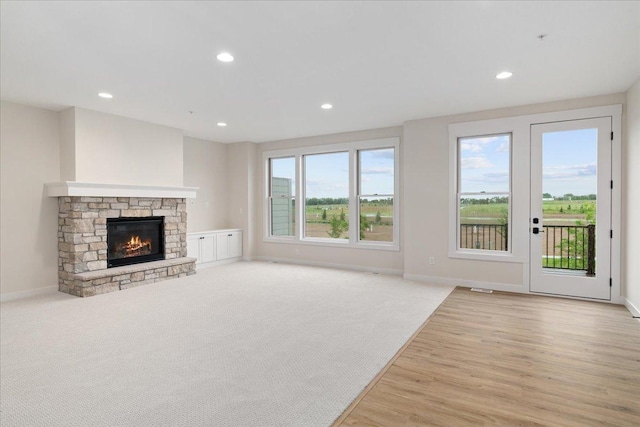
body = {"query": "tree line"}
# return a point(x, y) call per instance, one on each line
point(570, 196)
point(323, 201)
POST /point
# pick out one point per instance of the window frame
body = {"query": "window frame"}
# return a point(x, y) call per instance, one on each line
point(270, 194)
point(353, 240)
point(481, 129)
point(359, 194)
point(461, 194)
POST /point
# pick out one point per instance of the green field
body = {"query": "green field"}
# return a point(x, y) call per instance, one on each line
point(379, 227)
point(560, 211)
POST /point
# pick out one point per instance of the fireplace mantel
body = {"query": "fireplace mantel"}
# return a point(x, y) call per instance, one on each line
point(83, 242)
point(87, 189)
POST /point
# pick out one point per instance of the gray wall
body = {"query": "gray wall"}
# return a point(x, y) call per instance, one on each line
point(631, 200)
point(205, 167)
point(29, 153)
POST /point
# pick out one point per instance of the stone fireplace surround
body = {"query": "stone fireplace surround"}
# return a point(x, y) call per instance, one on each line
point(82, 239)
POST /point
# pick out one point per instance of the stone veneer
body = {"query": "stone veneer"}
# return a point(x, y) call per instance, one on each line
point(82, 243)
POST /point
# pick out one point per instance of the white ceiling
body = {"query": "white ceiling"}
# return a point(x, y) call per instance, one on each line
point(378, 63)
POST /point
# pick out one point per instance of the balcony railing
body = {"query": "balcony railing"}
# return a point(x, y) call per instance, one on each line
point(566, 247)
point(493, 237)
point(570, 247)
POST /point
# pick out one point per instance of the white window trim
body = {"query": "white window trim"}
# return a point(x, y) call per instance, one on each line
point(352, 148)
point(509, 194)
point(519, 127)
point(517, 252)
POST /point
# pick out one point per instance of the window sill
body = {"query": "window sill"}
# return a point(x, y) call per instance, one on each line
point(339, 243)
point(485, 256)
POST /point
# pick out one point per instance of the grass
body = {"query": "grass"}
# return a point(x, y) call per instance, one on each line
point(318, 227)
point(493, 213)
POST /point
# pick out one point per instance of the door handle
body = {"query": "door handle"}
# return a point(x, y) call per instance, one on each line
point(536, 230)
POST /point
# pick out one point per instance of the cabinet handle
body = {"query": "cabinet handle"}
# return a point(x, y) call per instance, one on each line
point(229, 235)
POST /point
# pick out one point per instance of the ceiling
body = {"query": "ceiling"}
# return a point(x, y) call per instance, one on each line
point(379, 63)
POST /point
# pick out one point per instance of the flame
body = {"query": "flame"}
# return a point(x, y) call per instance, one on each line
point(136, 246)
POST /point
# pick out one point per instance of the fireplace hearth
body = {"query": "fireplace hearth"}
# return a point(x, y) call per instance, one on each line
point(134, 240)
point(107, 244)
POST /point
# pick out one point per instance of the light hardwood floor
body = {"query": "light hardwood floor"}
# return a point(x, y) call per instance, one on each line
point(510, 359)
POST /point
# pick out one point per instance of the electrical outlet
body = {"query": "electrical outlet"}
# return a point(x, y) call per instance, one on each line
point(432, 260)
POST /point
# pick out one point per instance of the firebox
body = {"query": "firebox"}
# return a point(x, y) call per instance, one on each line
point(134, 240)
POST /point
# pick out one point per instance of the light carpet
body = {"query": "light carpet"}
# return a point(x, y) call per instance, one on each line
point(247, 344)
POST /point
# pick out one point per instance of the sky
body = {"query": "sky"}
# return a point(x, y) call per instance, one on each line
point(569, 163)
point(484, 164)
point(327, 175)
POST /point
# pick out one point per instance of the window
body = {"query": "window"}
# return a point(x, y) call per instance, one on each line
point(347, 194)
point(483, 192)
point(326, 189)
point(376, 173)
point(282, 190)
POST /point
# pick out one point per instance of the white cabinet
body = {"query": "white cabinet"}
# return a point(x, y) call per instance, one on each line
point(202, 246)
point(229, 244)
point(215, 245)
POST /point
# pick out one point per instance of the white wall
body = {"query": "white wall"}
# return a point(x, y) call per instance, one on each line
point(67, 124)
point(241, 158)
point(118, 150)
point(426, 197)
point(386, 261)
point(205, 166)
point(29, 153)
point(631, 201)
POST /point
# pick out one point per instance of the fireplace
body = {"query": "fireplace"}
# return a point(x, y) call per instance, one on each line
point(134, 240)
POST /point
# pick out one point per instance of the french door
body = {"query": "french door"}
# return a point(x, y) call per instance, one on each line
point(570, 218)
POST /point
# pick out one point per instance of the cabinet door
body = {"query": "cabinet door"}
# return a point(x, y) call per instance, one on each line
point(222, 239)
point(235, 244)
point(207, 248)
point(193, 247)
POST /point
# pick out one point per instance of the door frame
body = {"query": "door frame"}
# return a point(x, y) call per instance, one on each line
point(520, 127)
point(615, 113)
point(561, 282)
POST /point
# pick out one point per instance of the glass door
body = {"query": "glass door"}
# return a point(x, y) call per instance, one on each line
point(570, 221)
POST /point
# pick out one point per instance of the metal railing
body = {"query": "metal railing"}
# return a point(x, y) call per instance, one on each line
point(570, 247)
point(493, 237)
point(566, 247)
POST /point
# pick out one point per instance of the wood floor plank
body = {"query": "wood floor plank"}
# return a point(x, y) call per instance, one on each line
point(510, 359)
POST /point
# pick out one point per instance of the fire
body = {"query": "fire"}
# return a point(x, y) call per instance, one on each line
point(136, 246)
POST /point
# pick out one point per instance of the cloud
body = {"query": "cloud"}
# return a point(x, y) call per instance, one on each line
point(476, 144)
point(377, 171)
point(382, 154)
point(496, 175)
point(324, 188)
point(570, 171)
point(501, 178)
point(475, 163)
point(474, 148)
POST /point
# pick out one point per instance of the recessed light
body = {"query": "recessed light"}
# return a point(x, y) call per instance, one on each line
point(221, 124)
point(225, 57)
point(504, 75)
point(326, 106)
point(105, 95)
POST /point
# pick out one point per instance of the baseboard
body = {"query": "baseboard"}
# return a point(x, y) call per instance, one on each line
point(389, 271)
point(506, 287)
point(217, 263)
point(12, 296)
point(635, 311)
